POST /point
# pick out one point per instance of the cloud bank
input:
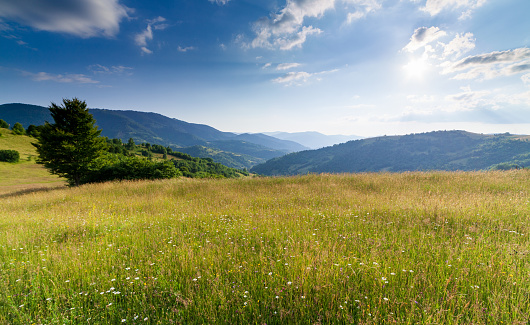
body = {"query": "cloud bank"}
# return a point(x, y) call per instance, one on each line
point(82, 18)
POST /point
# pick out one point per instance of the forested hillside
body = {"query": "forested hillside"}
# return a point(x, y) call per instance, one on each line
point(143, 127)
point(442, 150)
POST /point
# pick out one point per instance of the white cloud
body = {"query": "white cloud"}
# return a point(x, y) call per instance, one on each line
point(220, 2)
point(186, 49)
point(285, 29)
point(147, 35)
point(117, 70)
point(434, 7)
point(490, 65)
point(526, 79)
point(459, 45)
point(299, 78)
point(83, 18)
point(423, 36)
point(293, 77)
point(287, 66)
point(363, 8)
point(63, 78)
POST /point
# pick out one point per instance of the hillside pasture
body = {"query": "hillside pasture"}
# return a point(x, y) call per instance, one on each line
point(445, 248)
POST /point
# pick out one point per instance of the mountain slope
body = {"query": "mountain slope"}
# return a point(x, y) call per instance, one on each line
point(158, 129)
point(443, 150)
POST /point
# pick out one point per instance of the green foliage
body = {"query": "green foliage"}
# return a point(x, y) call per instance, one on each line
point(119, 167)
point(206, 168)
point(18, 129)
point(72, 143)
point(34, 131)
point(11, 156)
point(130, 144)
point(4, 124)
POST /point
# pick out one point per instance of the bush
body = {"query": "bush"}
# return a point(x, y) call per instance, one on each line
point(4, 124)
point(129, 168)
point(11, 156)
point(18, 129)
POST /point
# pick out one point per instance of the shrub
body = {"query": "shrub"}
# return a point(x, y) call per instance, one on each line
point(11, 156)
point(4, 124)
point(18, 129)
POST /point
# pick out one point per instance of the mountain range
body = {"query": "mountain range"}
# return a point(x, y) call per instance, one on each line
point(313, 140)
point(441, 150)
point(234, 150)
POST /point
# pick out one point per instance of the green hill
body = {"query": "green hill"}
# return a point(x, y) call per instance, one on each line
point(26, 174)
point(155, 128)
point(442, 150)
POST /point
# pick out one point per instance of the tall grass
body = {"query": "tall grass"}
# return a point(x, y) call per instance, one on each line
point(431, 248)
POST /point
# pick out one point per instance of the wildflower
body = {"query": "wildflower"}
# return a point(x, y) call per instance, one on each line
point(385, 299)
point(289, 283)
point(123, 320)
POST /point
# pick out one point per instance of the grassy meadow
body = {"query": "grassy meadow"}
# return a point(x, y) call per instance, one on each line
point(25, 175)
point(410, 248)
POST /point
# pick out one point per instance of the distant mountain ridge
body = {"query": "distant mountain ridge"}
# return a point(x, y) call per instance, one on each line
point(312, 139)
point(155, 128)
point(441, 150)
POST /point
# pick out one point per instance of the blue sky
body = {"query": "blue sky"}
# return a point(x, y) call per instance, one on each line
point(363, 67)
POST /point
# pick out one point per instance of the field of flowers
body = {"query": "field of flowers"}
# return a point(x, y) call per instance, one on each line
point(411, 248)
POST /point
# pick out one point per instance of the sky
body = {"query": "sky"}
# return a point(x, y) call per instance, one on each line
point(352, 67)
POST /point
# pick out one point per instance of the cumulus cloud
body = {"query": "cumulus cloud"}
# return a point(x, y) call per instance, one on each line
point(83, 18)
point(285, 29)
point(434, 7)
point(423, 36)
point(62, 78)
point(459, 45)
point(147, 35)
point(490, 65)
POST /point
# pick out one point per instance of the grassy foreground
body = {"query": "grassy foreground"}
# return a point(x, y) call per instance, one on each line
point(429, 248)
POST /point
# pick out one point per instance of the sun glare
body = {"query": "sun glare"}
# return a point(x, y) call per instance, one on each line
point(416, 68)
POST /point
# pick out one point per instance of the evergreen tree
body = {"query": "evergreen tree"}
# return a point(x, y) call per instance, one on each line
point(18, 129)
point(72, 143)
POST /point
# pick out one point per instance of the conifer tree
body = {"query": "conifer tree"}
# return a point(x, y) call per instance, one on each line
point(68, 146)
